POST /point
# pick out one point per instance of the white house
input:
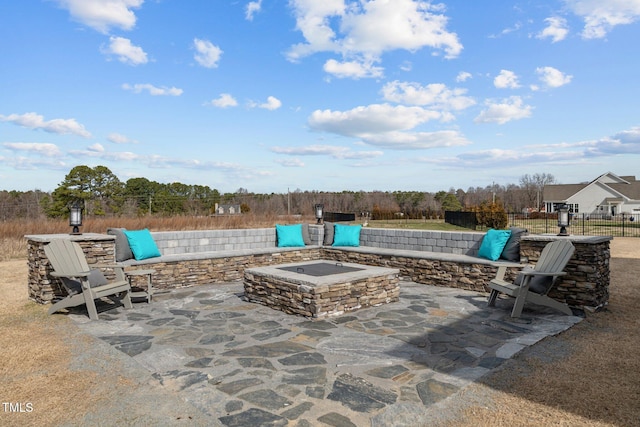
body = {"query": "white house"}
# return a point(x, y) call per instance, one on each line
point(607, 195)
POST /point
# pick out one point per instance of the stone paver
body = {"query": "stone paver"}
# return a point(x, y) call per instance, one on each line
point(243, 364)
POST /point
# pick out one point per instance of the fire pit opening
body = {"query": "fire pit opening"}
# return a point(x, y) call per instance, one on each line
point(321, 269)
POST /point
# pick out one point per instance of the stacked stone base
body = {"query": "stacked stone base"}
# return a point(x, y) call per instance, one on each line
point(324, 300)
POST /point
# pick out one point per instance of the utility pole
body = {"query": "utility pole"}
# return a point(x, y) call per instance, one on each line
point(493, 192)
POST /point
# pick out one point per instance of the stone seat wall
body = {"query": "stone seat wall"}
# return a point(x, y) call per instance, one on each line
point(430, 257)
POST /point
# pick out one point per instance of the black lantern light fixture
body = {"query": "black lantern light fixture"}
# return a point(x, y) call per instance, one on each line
point(75, 217)
point(563, 219)
point(318, 208)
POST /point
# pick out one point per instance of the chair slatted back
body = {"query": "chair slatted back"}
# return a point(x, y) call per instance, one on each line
point(66, 257)
point(555, 256)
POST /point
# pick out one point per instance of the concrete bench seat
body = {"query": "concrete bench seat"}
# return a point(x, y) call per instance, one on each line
point(194, 256)
point(430, 255)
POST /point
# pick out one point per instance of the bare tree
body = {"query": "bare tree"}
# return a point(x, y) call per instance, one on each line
point(533, 185)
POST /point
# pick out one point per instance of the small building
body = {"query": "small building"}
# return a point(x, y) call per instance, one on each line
point(606, 196)
point(227, 209)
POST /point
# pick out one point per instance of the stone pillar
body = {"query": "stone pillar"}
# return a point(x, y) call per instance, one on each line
point(588, 272)
point(43, 288)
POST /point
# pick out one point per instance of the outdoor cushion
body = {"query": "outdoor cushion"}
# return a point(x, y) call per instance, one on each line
point(289, 235)
point(511, 251)
point(493, 243)
point(123, 250)
point(96, 278)
point(346, 235)
point(537, 284)
point(305, 234)
point(328, 233)
point(142, 244)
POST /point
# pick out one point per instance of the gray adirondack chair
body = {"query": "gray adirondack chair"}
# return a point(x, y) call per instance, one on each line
point(70, 265)
point(532, 285)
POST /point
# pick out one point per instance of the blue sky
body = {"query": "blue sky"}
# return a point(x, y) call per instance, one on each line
point(330, 95)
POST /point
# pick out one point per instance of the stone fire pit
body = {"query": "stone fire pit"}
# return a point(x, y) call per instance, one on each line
point(321, 288)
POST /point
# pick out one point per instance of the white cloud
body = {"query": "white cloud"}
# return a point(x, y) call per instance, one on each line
point(552, 77)
point(290, 163)
point(386, 125)
point(272, 103)
point(506, 80)
point(252, 8)
point(207, 54)
point(352, 69)
point(362, 31)
point(624, 142)
point(502, 158)
point(98, 151)
point(417, 140)
point(225, 100)
point(516, 27)
point(326, 150)
point(370, 119)
point(118, 138)
point(36, 121)
point(125, 51)
point(601, 16)
point(153, 90)
point(101, 15)
point(463, 76)
point(31, 164)
point(435, 94)
point(509, 109)
point(43, 149)
point(556, 29)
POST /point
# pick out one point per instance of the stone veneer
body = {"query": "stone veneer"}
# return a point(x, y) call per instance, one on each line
point(98, 248)
point(320, 297)
point(586, 283)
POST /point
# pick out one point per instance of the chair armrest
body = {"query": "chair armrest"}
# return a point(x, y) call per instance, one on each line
point(502, 268)
point(79, 274)
point(118, 269)
point(540, 273)
point(108, 265)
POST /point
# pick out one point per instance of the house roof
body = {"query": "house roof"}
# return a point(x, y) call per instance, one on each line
point(561, 192)
point(624, 185)
point(631, 190)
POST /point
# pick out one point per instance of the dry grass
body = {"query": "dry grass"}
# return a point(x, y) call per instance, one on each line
point(587, 376)
point(13, 245)
point(35, 358)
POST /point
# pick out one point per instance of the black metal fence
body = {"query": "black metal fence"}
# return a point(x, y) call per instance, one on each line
point(339, 216)
point(622, 225)
point(461, 219)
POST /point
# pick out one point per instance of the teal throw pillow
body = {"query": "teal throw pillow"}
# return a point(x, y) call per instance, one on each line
point(142, 244)
point(346, 235)
point(289, 235)
point(493, 243)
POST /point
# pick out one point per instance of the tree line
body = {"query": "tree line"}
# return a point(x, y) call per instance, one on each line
point(101, 193)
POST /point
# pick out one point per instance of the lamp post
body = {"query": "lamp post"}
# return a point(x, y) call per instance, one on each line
point(318, 208)
point(75, 217)
point(563, 219)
